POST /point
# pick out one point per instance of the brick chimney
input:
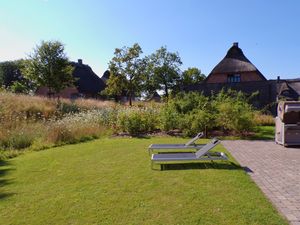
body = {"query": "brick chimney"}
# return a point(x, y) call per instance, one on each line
point(278, 79)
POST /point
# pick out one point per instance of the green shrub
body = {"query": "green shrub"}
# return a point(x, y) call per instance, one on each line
point(169, 119)
point(194, 122)
point(131, 123)
point(67, 107)
point(108, 116)
point(233, 112)
point(137, 121)
point(189, 112)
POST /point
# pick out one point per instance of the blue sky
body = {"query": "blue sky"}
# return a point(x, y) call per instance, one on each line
point(200, 31)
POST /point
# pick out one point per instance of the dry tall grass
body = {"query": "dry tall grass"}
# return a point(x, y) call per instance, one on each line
point(92, 103)
point(19, 107)
point(28, 121)
point(263, 119)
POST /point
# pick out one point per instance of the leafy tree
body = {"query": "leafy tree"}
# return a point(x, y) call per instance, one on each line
point(126, 72)
point(49, 66)
point(10, 71)
point(192, 76)
point(150, 86)
point(164, 69)
point(115, 86)
point(23, 86)
point(12, 79)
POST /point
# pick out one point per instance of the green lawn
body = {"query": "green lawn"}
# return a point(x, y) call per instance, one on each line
point(264, 133)
point(109, 181)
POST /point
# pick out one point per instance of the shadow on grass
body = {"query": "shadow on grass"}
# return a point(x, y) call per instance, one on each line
point(196, 166)
point(3, 182)
point(264, 133)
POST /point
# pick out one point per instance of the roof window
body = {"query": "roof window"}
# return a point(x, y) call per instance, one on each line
point(234, 78)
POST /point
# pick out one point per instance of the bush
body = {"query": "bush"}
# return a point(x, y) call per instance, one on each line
point(194, 122)
point(137, 121)
point(189, 112)
point(233, 113)
point(169, 119)
point(193, 112)
point(67, 107)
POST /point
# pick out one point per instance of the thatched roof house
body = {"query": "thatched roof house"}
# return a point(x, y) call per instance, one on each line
point(87, 82)
point(234, 68)
point(235, 71)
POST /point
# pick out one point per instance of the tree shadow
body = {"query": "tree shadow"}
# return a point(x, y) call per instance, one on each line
point(4, 169)
point(204, 165)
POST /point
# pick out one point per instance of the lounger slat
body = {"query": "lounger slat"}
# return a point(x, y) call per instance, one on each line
point(174, 146)
point(192, 142)
point(175, 156)
point(207, 147)
point(181, 161)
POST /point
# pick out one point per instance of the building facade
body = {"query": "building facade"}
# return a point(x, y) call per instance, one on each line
point(236, 72)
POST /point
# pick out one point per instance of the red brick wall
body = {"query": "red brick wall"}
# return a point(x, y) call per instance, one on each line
point(245, 76)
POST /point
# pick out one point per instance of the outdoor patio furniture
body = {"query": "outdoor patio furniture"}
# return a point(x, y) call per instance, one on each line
point(189, 157)
point(190, 146)
point(288, 123)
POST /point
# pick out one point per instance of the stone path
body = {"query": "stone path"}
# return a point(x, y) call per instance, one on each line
point(275, 169)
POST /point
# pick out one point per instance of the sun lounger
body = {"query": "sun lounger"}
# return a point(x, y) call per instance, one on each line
point(190, 146)
point(189, 157)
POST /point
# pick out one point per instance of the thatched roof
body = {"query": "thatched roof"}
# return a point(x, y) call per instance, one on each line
point(87, 81)
point(155, 97)
point(235, 62)
point(105, 76)
point(295, 85)
point(290, 89)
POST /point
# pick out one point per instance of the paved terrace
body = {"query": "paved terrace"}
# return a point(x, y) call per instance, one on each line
point(275, 169)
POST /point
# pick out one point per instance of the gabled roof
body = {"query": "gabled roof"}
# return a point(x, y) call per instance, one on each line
point(289, 89)
point(295, 85)
point(86, 80)
point(235, 62)
point(105, 76)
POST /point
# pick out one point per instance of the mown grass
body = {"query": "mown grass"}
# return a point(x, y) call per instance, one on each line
point(109, 181)
point(264, 133)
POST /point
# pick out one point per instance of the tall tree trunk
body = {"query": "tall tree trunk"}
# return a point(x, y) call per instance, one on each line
point(130, 99)
point(116, 98)
point(130, 91)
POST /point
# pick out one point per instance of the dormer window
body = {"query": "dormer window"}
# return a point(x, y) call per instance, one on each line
point(234, 78)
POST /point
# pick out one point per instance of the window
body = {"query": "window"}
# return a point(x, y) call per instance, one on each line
point(234, 78)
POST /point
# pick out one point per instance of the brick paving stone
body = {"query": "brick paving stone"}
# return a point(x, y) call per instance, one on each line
point(275, 169)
